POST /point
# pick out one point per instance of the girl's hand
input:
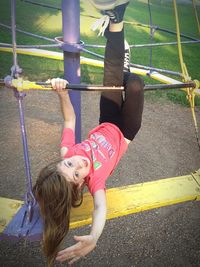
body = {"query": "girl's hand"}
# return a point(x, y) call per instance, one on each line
point(59, 85)
point(85, 244)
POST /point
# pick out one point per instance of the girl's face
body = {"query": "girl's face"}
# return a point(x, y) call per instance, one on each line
point(74, 169)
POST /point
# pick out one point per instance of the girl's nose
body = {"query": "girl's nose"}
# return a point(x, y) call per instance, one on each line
point(78, 166)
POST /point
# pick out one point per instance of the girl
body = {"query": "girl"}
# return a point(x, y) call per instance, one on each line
point(59, 186)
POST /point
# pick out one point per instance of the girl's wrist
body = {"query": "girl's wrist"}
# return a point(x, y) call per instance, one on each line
point(62, 93)
point(94, 237)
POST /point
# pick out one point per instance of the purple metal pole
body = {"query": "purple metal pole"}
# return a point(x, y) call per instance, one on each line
point(13, 23)
point(15, 70)
point(27, 220)
point(71, 35)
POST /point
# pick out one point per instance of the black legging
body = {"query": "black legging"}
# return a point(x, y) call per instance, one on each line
point(125, 113)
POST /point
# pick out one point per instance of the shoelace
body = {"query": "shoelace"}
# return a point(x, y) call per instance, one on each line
point(111, 14)
point(102, 24)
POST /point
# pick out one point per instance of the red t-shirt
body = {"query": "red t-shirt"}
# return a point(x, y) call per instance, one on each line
point(104, 148)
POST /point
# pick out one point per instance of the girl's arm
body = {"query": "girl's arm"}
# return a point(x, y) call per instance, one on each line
point(67, 110)
point(65, 102)
point(99, 214)
point(87, 243)
point(66, 106)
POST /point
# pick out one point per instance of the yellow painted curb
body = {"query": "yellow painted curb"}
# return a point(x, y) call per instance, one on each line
point(139, 197)
point(8, 209)
point(124, 200)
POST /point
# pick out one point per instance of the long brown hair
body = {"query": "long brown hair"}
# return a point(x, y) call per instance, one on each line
point(55, 196)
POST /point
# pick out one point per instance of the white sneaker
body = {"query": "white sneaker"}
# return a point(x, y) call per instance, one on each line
point(112, 10)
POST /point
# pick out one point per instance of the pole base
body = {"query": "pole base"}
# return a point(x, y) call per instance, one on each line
point(20, 228)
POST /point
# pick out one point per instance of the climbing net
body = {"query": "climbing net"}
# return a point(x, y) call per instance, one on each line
point(191, 87)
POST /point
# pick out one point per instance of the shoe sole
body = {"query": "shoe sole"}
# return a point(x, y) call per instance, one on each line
point(108, 5)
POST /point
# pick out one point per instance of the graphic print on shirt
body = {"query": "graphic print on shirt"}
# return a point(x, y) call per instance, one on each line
point(96, 149)
point(87, 148)
point(104, 143)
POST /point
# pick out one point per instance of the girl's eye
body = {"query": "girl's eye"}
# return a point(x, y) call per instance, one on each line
point(76, 174)
point(69, 164)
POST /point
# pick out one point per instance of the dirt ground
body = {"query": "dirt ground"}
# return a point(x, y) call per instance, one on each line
point(164, 147)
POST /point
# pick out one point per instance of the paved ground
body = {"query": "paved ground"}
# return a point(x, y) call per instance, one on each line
point(165, 147)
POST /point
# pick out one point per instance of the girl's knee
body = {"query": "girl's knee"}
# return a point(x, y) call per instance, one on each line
point(131, 132)
point(134, 83)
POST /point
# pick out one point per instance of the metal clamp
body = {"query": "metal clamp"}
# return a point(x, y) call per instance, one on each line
point(70, 47)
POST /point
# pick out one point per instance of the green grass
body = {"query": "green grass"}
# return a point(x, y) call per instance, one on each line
point(48, 22)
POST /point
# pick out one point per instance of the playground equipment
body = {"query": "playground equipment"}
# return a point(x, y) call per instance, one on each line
point(27, 221)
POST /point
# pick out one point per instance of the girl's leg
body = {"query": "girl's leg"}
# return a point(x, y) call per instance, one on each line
point(127, 114)
point(110, 102)
point(133, 105)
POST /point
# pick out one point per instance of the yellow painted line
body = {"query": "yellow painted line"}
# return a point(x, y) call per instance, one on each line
point(162, 78)
point(35, 52)
point(50, 54)
point(124, 200)
point(92, 62)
